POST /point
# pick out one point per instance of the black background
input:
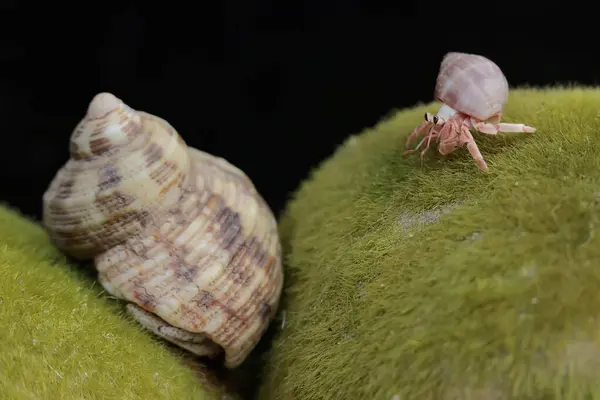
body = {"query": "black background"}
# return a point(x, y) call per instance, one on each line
point(273, 87)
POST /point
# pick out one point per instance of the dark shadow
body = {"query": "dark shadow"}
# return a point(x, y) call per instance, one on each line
point(253, 369)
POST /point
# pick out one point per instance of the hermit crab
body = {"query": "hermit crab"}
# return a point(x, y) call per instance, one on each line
point(473, 91)
point(182, 236)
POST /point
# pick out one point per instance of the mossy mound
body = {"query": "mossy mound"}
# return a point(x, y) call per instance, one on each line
point(442, 282)
point(61, 338)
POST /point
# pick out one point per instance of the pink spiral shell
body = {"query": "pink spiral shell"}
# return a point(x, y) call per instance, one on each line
point(471, 84)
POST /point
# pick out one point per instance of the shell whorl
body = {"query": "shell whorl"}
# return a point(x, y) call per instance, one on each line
point(213, 266)
point(471, 84)
point(126, 168)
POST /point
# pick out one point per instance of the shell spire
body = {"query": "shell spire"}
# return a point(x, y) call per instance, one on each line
point(126, 168)
point(108, 125)
point(102, 104)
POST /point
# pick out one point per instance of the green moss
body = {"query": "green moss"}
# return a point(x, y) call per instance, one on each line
point(61, 338)
point(439, 281)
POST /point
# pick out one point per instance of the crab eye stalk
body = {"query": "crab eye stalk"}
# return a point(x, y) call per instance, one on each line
point(435, 119)
point(426, 117)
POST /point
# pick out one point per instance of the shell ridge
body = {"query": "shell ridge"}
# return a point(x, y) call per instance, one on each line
point(254, 305)
point(242, 252)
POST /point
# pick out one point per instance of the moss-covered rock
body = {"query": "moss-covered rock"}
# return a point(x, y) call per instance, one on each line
point(440, 281)
point(61, 338)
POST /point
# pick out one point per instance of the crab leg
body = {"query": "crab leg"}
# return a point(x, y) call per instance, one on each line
point(415, 134)
point(425, 150)
point(428, 136)
point(432, 135)
point(416, 147)
point(493, 129)
point(449, 138)
point(473, 149)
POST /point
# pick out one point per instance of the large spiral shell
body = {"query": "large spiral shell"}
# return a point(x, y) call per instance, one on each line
point(183, 235)
point(471, 84)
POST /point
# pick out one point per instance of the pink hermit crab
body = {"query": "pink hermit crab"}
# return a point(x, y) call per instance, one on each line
point(473, 91)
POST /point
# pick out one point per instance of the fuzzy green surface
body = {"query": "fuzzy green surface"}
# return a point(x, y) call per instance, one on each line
point(60, 338)
point(441, 281)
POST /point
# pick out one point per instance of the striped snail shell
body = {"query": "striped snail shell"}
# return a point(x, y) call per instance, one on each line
point(182, 236)
point(472, 84)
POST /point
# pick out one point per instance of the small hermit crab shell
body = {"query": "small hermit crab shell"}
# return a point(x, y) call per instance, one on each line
point(183, 236)
point(472, 84)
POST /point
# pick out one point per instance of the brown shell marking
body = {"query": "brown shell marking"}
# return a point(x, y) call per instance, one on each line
point(212, 266)
point(471, 84)
point(126, 167)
